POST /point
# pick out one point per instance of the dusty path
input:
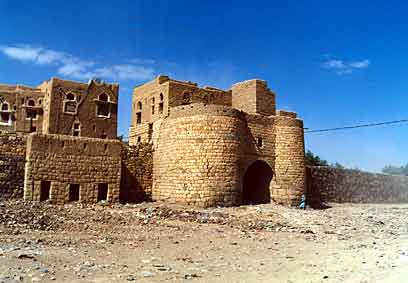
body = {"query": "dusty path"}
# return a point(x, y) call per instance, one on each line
point(156, 242)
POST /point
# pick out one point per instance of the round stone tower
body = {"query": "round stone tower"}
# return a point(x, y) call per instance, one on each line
point(289, 182)
point(197, 156)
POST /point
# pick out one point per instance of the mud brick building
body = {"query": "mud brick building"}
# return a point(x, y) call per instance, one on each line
point(58, 141)
point(60, 107)
point(21, 109)
point(216, 147)
point(187, 144)
point(63, 169)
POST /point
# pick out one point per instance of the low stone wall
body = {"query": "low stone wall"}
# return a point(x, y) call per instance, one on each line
point(327, 184)
point(137, 171)
point(12, 159)
point(63, 168)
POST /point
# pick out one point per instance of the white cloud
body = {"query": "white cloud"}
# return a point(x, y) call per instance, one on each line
point(142, 61)
point(77, 68)
point(341, 67)
point(360, 64)
point(126, 72)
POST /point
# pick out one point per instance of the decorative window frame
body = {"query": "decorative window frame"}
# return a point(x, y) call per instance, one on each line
point(76, 130)
point(106, 103)
point(66, 101)
point(6, 112)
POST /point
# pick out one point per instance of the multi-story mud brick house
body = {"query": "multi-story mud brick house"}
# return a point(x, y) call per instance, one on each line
point(187, 144)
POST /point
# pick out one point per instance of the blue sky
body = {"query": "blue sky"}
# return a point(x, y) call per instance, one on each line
point(336, 63)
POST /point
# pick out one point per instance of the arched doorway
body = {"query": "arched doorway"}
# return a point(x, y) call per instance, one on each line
point(256, 183)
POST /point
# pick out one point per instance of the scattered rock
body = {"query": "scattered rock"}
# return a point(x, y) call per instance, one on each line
point(147, 274)
point(25, 256)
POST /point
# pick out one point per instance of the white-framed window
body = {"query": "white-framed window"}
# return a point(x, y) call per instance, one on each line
point(103, 106)
point(5, 115)
point(76, 129)
point(31, 103)
point(70, 103)
point(31, 114)
point(104, 97)
point(5, 106)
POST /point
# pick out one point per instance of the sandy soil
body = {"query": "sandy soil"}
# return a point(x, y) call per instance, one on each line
point(155, 242)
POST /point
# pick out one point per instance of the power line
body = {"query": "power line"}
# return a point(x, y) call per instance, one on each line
point(358, 126)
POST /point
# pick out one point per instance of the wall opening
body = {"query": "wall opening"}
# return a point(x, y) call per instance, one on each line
point(70, 104)
point(103, 110)
point(256, 183)
point(45, 190)
point(259, 141)
point(31, 114)
point(76, 129)
point(5, 119)
point(150, 133)
point(187, 98)
point(102, 192)
point(161, 104)
point(73, 192)
point(153, 106)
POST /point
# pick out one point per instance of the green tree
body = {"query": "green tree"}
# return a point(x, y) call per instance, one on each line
point(338, 165)
point(314, 160)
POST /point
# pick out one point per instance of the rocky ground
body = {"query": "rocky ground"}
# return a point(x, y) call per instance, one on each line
point(155, 242)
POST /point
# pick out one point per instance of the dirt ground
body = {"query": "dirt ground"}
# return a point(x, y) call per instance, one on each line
point(156, 242)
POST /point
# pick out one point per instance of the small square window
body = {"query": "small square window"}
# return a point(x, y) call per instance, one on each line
point(5, 118)
point(138, 118)
point(260, 142)
point(70, 106)
point(31, 115)
point(103, 110)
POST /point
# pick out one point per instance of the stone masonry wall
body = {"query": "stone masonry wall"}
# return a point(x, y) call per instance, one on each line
point(137, 173)
point(66, 162)
point(289, 180)
point(12, 162)
point(327, 184)
point(196, 158)
point(253, 96)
